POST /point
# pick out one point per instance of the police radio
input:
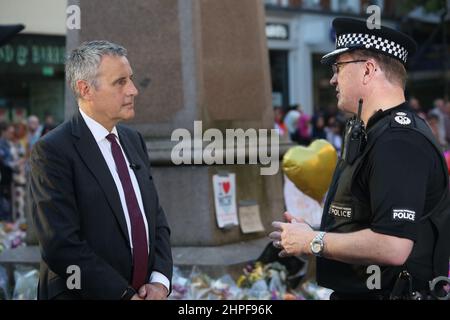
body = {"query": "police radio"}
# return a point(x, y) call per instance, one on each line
point(355, 137)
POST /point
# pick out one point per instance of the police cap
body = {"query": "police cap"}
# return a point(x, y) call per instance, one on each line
point(354, 34)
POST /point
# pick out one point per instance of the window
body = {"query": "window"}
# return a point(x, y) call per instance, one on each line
point(311, 4)
point(282, 3)
point(378, 3)
point(349, 6)
point(279, 70)
point(271, 2)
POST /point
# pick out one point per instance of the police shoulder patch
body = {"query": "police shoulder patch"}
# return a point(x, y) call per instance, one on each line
point(401, 119)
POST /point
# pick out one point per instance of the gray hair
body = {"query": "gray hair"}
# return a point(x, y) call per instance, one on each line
point(83, 62)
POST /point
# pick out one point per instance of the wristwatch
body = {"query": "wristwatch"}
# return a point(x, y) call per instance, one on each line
point(317, 244)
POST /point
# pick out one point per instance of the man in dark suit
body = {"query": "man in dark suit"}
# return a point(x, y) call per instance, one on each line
point(96, 209)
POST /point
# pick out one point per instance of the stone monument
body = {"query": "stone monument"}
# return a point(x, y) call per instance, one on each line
point(193, 60)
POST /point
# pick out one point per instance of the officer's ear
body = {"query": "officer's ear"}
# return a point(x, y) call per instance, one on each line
point(370, 69)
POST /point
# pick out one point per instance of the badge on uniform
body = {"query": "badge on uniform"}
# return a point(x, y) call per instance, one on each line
point(403, 215)
point(401, 119)
point(341, 211)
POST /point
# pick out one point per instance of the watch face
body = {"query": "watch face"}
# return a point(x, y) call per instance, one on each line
point(316, 247)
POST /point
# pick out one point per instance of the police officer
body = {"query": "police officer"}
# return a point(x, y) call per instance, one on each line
point(388, 203)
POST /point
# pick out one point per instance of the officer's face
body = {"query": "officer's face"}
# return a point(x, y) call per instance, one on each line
point(346, 70)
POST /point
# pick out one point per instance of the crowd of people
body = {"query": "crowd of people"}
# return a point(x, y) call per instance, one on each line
point(16, 142)
point(438, 118)
point(301, 128)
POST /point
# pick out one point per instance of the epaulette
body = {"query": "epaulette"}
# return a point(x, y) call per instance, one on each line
point(402, 119)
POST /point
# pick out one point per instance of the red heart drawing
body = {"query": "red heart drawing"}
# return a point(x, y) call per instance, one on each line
point(226, 186)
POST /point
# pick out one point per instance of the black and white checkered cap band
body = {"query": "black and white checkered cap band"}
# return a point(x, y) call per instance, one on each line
point(372, 42)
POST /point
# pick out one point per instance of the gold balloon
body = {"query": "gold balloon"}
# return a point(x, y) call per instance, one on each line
point(311, 168)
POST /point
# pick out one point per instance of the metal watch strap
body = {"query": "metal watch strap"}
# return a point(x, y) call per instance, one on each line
point(320, 236)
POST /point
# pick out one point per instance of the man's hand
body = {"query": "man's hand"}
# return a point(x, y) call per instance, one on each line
point(153, 291)
point(293, 237)
point(136, 297)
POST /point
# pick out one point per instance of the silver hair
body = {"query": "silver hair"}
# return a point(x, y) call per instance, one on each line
point(83, 62)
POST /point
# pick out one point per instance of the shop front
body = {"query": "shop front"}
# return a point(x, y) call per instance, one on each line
point(32, 81)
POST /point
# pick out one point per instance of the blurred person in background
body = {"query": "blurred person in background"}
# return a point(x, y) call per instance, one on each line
point(291, 120)
point(334, 133)
point(433, 122)
point(440, 110)
point(34, 131)
point(49, 124)
point(318, 127)
point(414, 104)
point(280, 127)
point(7, 166)
point(304, 129)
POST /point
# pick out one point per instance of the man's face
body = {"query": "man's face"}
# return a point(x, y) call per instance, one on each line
point(346, 82)
point(440, 104)
point(446, 107)
point(33, 123)
point(414, 104)
point(10, 133)
point(112, 96)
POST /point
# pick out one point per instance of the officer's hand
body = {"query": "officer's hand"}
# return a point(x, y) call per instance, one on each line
point(292, 238)
point(291, 219)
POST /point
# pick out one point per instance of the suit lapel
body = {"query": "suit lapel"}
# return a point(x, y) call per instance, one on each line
point(91, 155)
point(142, 174)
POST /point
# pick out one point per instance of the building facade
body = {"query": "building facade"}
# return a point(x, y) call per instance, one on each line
point(32, 64)
point(299, 32)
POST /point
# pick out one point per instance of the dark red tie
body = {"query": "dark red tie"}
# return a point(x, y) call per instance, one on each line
point(138, 234)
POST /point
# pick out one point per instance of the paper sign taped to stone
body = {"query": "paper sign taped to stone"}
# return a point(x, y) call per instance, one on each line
point(250, 219)
point(225, 200)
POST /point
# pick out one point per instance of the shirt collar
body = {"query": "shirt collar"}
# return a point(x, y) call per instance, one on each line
point(380, 114)
point(98, 131)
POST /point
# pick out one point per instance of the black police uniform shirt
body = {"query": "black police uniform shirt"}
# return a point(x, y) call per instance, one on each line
point(395, 182)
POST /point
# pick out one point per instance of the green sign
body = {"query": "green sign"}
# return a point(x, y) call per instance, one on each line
point(48, 71)
point(33, 54)
point(36, 54)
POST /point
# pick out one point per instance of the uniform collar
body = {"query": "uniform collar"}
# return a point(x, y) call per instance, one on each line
point(380, 114)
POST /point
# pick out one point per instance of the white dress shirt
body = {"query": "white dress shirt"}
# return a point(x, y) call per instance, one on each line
point(99, 132)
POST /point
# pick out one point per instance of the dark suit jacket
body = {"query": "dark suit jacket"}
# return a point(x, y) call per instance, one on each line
point(78, 215)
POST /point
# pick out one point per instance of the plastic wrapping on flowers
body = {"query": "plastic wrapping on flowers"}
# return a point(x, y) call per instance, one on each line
point(26, 280)
point(258, 281)
point(25, 283)
point(12, 235)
